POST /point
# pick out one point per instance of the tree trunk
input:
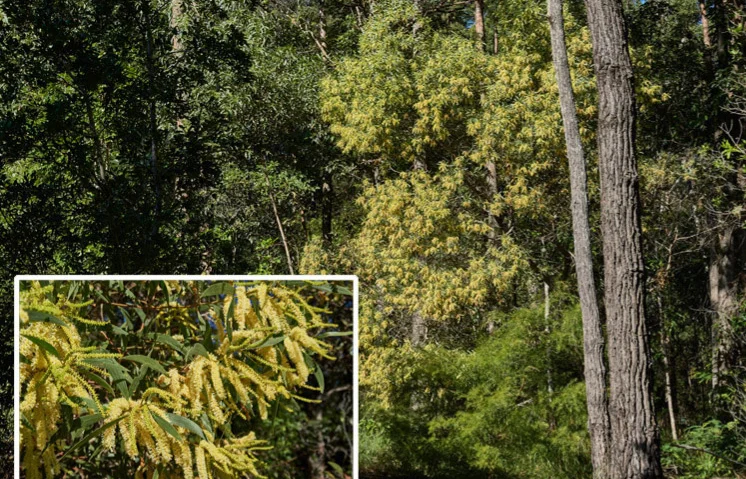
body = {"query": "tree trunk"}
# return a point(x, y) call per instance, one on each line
point(327, 208)
point(593, 340)
point(635, 449)
point(548, 332)
point(705, 23)
point(279, 225)
point(723, 303)
point(667, 371)
point(479, 22)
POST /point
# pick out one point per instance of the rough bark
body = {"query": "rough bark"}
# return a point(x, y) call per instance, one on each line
point(723, 302)
point(593, 339)
point(479, 22)
point(635, 449)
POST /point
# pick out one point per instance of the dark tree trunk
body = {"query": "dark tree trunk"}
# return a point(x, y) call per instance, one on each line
point(593, 339)
point(635, 449)
point(327, 208)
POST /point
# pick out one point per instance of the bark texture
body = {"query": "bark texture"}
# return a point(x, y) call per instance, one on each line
point(593, 339)
point(479, 22)
point(724, 301)
point(635, 449)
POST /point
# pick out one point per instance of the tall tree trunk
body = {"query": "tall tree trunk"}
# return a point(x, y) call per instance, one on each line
point(635, 449)
point(704, 18)
point(479, 22)
point(327, 208)
point(723, 302)
point(285, 244)
point(668, 372)
point(593, 340)
point(548, 332)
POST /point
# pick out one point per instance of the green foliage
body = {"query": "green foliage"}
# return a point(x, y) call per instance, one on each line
point(490, 410)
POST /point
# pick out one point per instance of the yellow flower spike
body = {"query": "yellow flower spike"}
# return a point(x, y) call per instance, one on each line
point(199, 455)
point(217, 380)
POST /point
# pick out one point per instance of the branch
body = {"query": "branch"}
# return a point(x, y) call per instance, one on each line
point(706, 451)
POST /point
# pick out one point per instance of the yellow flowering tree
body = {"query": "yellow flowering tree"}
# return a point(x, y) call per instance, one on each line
point(166, 379)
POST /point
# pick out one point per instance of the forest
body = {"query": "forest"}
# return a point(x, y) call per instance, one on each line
point(544, 204)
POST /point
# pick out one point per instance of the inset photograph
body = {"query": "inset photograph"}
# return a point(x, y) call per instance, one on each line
point(185, 378)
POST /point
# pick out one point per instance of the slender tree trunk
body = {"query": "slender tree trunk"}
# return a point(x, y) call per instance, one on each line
point(174, 24)
point(635, 449)
point(479, 22)
point(705, 23)
point(670, 403)
point(495, 42)
point(548, 331)
point(593, 340)
point(327, 208)
point(100, 167)
point(279, 225)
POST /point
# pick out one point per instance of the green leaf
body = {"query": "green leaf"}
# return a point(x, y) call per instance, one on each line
point(42, 317)
point(316, 370)
point(91, 435)
point(98, 380)
point(166, 426)
point(186, 423)
point(139, 358)
point(266, 342)
point(138, 379)
point(43, 344)
point(167, 340)
point(119, 374)
point(198, 348)
point(334, 334)
point(332, 288)
point(216, 289)
point(89, 419)
point(118, 331)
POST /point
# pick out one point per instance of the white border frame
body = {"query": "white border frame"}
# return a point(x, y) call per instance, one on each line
point(135, 277)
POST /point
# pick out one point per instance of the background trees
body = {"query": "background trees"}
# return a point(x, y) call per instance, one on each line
point(400, 144)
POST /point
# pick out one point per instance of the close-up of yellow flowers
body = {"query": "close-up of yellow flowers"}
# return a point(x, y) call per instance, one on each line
point(167, 379)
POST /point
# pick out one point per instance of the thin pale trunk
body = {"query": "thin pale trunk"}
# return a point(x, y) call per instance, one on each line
point(593, 340)
point(548, 331)
point(100, 167)
point(174, 24)
point(479, 22)
point(705, 23)
point(669, 385)
point(495, 42)
point(279, 226)
point(635, 448)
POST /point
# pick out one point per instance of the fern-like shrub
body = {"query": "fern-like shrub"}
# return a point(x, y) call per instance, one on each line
point(164, 378)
